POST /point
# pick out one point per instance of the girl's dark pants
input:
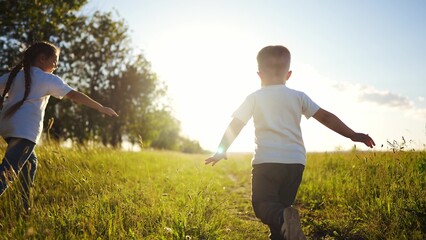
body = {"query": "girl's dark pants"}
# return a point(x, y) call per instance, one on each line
point(274, 187)
point(19, 157)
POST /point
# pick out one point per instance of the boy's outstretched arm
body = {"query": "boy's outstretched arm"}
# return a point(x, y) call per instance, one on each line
point(334, 123)
point(232, 131)
point(82, 98)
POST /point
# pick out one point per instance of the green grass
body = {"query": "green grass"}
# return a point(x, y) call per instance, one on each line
point(107, 194)
point(378, 195)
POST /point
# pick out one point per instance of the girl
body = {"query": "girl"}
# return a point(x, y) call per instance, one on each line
point(25, 94)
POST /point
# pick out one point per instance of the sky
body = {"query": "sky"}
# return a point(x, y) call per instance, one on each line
point(364, 61)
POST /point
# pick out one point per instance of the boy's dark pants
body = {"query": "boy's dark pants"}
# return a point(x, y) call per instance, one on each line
point(274, 187)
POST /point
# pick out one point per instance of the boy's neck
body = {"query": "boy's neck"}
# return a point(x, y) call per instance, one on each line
point(271, 83)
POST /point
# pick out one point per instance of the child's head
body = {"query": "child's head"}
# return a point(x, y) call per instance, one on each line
point(43, 55)
point(274, 65)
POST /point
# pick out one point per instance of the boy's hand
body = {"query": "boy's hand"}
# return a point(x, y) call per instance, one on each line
point(364, 138)
point(108, 111)
point(215, 158)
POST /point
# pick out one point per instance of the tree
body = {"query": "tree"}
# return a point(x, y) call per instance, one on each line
point(190, 146)
point(102, 64)
point(97, 54)
point(136, 93)
point(23, 22)
point(96, 57)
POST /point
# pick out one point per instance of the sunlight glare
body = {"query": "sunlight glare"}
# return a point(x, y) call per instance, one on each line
point(209, 69)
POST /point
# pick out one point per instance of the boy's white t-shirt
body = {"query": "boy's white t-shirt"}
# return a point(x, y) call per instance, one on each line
point(27, 121)
point(276, 112)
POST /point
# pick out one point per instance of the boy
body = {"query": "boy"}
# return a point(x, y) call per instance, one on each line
point(280, 155)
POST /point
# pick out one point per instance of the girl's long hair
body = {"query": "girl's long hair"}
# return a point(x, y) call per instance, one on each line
point(30, 55)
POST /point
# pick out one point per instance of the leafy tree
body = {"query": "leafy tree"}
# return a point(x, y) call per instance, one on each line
point(135, 93)
point(190, 146)
point(98, 53)
point(23, 22)
point(166, 130)
point(96, 58)
point(102, 64)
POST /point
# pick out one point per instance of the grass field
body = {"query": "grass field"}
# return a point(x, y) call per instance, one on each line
point(108, 194)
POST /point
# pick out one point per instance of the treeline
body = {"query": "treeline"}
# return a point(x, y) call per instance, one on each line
point(96, 58)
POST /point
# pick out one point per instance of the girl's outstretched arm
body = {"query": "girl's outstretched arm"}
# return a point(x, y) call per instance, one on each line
point(232, 131)
point(82, 98)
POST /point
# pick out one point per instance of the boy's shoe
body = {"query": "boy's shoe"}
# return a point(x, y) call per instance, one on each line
point(291, 228)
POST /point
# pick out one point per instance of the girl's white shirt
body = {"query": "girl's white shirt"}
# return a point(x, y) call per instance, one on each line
point(27, 121)
point(277, 112)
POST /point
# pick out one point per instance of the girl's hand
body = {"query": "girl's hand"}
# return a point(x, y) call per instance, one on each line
point(364, 138)
point(108, 111)
point(215, 158)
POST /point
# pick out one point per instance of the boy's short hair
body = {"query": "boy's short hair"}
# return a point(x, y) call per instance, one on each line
point(267, 56)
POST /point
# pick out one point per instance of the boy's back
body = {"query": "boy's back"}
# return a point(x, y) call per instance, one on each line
point(279, 159)
point(276, 112)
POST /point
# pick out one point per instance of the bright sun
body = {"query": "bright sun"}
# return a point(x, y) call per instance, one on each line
point(208, 71)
